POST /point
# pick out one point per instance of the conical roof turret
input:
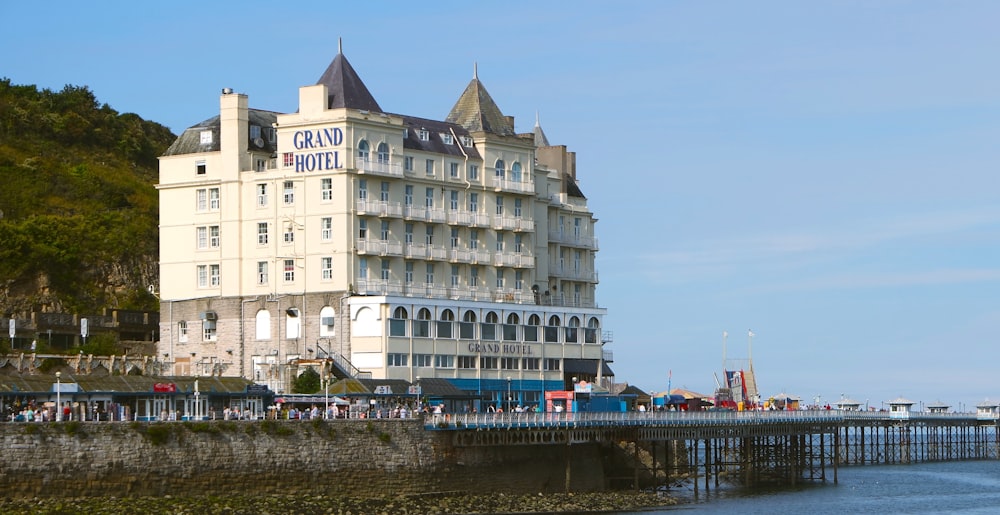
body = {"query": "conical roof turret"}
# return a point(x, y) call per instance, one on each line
point(345, 87)
point(476, 110)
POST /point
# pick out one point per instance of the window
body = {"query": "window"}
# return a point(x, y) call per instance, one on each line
point(454, 170)
point(383, 194)
point(422, 325)
point(262, 272)
point(362, 150)
point(182, 331)
point(499, 205)
point(262, 195)
point(530, 363)
point(454, 276)
point(466, 141)
point(287, 159)
point(473, 172)
point(262, 325)
point(201, 199)
point(326, 267)
point(423, 360)
point(453, 201)
point(202, 276)
point(444, 361)
point(429, 277)
point(429, 236)
point(517, 208)
point(430, 167)
point(408, 234)
point(326, 188)
point(473, 239)
point(396, 360)
point(409, 272)
point(518, 243)
point(262, 233)
point(489, 363)
point(518, 280)
point(383, 153)
point(363, 268)
point(272, 134)
point(408, 195)
point(467, 362)
point(499, 169)
point(288, 192)
point(515, 172)
point(202, 237)
point(326, 228)
point(208, 330)
point(510, 363)
point(213, 275)
point(499, 242)
point(200, 168)
point(408, 164)
point(423, 135)
point(289, 235)
point(385, 270)
point(453, 241)
point(397, 324)
point(363, 229)
point(260, 165)
point(384, 233)
point(473, 202)
point(499, 278)
point(289, 270)
point(254, 131)
point(363, 189)
point(447, 139)
point(214, 238)
point(327, 320)
point(531, 330)
point(467, 327)
point(429, 197)
point(445, 325)
point(552, 364)
point(206, 137)
point(473, 276)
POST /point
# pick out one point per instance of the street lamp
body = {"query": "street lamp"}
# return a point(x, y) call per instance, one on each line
point(326, 392)
point(509, 399)
point(416, 395)
point(58, 397)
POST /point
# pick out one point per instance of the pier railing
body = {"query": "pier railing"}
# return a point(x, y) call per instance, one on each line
point(475, 421)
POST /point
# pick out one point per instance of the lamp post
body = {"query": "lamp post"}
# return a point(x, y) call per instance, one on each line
point(416, 395)
point(58, 397)
point(326, 392)
point(509, 399)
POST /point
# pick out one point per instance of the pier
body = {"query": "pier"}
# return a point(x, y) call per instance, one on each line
point(749, 447)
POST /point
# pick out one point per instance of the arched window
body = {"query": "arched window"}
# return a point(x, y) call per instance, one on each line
point(262, 323)
point(531, 330)
point(513, 318)
point(424, 314)
point(592, 331)
point(572, 330)
point(573, 322)
point(515, 172)
point(363, 150)
point(327, 317)
point(383, 153)
point(552, 330)
point(397, 324)
point(422, 325)
point(500, 169)
point(509, 330)
point(491, 318)
point(444, 326)
point(448, 315)
point(469, 316)
point(467, 327)
point(534, 320)
point(400, 313)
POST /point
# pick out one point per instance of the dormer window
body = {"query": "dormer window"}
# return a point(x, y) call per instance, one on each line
point(206, 137)
point(254, 131)
point(272, 135)
point(424, 135)
point(448, 140)
point(466, 141)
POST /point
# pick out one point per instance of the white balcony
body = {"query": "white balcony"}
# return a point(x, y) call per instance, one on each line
point(378, 247)
point(379, 208)
point(499, 184)
point(505, 223)
point(377, 168)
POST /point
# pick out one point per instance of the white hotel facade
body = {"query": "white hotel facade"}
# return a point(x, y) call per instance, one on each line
point(398, 247)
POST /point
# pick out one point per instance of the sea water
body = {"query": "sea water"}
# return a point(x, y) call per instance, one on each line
point(966, 487)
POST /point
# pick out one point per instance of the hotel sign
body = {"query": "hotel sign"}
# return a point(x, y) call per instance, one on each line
point(318, 149)
point(501, 348)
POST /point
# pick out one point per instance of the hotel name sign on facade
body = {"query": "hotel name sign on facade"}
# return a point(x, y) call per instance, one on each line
point(320, 148)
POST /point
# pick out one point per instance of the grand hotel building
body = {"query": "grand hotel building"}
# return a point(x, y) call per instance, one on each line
point(395, 246)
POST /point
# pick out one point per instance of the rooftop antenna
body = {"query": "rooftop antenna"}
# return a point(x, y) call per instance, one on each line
point(340, 45)
point(475, 70)
point(537, 123)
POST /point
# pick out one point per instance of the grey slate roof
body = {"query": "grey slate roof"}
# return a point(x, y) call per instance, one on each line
point(572, 188)
point(476, 111)
point(435, 143)
point(189, 142)
point(345, 88)
point(540, 139)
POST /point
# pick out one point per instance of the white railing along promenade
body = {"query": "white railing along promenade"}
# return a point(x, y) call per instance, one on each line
point(473, 421)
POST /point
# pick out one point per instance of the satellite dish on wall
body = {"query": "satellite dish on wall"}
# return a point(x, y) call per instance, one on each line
point(259, 142)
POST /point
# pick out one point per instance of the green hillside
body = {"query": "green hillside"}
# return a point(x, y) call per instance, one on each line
point(78, 207)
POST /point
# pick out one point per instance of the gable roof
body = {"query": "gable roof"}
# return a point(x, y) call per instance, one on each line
point(189, 142)
point(434, 143)
point(345, 88)
point(476, 111)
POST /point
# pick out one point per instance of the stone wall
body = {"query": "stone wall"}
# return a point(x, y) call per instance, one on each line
point(363, 458)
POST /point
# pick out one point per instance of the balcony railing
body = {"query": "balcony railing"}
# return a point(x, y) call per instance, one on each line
point(379, 247)
point(575, 240)
point(508, 185)
point(379, 208)
point(379, 168)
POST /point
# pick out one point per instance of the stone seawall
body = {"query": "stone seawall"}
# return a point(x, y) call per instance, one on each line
point(359, 458)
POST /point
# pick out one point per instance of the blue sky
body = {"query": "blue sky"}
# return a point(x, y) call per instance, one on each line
point(823, 173)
